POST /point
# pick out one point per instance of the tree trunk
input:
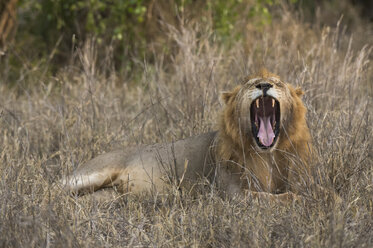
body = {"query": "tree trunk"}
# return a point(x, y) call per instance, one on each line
point(7, 20)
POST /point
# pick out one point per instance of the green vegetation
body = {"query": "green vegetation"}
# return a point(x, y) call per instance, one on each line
point(133, 28)
point(130, 26)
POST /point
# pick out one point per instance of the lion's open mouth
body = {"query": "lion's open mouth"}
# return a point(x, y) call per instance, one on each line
point(265, 121)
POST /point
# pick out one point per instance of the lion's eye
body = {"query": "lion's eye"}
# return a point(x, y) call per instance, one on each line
point(279, 84)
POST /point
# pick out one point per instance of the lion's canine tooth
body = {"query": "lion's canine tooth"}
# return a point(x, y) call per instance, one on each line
point(273, 103)
point(257, 102)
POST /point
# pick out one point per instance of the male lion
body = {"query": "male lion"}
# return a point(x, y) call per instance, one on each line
point(262, 145)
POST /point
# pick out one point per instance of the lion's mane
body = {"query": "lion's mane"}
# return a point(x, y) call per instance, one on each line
point(293, 147)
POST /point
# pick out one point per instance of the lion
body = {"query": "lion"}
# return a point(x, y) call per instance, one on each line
point(262, 146)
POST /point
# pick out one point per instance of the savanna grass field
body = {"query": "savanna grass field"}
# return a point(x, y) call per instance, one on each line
point(59, 111)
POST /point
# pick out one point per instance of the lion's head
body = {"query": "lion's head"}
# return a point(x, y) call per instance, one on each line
point(264, 114)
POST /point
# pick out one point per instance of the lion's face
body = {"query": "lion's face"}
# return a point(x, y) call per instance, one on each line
point(264, 110)
point(264, 105)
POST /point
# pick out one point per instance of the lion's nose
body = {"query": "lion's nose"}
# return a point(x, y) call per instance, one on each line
point(264, 87)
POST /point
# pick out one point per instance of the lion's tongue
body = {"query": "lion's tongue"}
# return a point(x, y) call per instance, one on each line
point(265, 133)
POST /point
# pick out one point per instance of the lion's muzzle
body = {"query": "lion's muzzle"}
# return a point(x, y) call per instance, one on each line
point(264, 87)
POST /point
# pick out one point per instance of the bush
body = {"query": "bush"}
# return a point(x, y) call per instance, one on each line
point(128, 24)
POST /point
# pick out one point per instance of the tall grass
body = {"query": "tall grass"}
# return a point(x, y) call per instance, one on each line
point(50, 125)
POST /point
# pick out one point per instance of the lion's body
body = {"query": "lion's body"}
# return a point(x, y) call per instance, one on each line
point(230, 157)
point(148, 167)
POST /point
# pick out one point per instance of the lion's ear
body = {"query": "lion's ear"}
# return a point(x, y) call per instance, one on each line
point(226, 96)
point(299, 92)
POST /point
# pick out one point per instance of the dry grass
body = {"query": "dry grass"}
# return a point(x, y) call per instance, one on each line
point(51, 125)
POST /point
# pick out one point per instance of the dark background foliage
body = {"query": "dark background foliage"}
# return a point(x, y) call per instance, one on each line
point(133, 28)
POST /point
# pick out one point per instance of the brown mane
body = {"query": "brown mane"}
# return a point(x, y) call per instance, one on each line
point(238, 152)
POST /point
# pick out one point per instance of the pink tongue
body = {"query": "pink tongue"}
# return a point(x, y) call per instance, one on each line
point(265, 133)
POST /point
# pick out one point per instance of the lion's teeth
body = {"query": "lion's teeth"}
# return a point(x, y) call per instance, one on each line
point(273, 103)
point(257, 103)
